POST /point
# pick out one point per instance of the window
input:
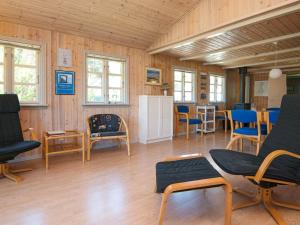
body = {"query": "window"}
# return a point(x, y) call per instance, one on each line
point(106, 80)
point(21, 72)
point(217, 88)
point(184, 86)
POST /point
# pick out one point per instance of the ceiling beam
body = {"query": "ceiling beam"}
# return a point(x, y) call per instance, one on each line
point(224, 62)
point(229, 27)
point(283, 67)
point(238, 47)
point(262, 63)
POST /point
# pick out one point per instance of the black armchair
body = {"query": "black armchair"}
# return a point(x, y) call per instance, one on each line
point(12, 142)
point(278, 161)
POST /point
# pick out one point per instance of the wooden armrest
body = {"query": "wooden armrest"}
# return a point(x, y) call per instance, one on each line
point(33, 135)
point(180, 157)
point(268, 160)
point(184, 114)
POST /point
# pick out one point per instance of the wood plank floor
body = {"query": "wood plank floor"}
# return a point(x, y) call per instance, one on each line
point(113, 189)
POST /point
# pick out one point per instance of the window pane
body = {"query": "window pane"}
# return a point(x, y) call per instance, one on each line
point(177, 96)
point(1, 73)
point(220, 80)
point(1, 54)
point(178, 86)
point(178, 76)
point(95, 65)
point(1, 89)
point(114, 95)
point(188, 96)
point(94, 80)
point(211, 97)
point(94, 95)
point(212, 88)
point(115, 81)
point(25, 75)
point(188, 86)
point(219, 97)
point(212, 79)
point(188, 77)
point(26, 93)
point(25, 56)
point(219, 89)
point(115, 67)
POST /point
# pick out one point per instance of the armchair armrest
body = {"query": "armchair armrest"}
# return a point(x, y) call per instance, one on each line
point(269, 159)
point(180, 157)
point(184, 114)
point(33, 135)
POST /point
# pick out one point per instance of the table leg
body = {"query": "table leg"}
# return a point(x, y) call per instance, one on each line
point(83, 152)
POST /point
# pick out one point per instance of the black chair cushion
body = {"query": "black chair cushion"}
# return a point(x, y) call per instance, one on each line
point(239, 163)
point(182, 171)
point(9, 152)
point(104, 123)
point(108, 134)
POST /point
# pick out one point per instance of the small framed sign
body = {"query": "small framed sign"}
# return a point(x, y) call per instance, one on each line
point(64, 82)
point(64, 57)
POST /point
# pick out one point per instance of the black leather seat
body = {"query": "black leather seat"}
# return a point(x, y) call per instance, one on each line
point(12, 142)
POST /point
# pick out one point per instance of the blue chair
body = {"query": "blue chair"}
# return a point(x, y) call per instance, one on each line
point(221, 115)
point(239, 130)
point(271, 117)
point(183, 115)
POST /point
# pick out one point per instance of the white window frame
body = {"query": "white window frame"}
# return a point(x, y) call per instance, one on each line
point(105, 84)
point(11, 43)
point(194, 84)
point(215, 87)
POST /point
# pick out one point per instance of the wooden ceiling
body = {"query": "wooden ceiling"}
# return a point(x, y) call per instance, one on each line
point(134, 23)
point(256, 45)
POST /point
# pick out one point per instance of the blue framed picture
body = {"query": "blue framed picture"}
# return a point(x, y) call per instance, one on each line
point(64, 82)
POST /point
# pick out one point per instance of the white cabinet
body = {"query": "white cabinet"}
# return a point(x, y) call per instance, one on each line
point(155, 118)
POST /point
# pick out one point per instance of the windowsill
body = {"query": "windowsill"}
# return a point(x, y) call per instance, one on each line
point(105, 105)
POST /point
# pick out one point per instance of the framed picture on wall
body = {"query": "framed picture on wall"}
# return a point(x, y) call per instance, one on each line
point(261, 88)
point(153, 76)
point(64, 82)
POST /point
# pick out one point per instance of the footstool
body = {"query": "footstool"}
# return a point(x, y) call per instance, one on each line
point(189, 172)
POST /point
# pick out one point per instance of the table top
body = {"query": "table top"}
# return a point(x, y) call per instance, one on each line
point(68, 133)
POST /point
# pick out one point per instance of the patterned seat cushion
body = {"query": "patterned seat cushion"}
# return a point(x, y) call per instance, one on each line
point(108, 134)
point(104, 123)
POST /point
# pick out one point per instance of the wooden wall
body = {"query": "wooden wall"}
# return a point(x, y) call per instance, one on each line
point(232, 87)
point(213, 14)
point(261, 102)
point(67, 112)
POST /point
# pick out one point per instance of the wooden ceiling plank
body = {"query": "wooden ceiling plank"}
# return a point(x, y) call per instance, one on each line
point(283, 68)
point(252, 44)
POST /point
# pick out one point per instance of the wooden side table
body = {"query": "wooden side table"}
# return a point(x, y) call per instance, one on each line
point(62, 148)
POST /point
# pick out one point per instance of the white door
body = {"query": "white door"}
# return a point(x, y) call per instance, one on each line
point(167, 117)
point(154, 117)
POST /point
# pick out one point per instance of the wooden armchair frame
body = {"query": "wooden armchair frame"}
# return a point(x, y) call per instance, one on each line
point(92, 140)
point(10, 173)
point(224, 112)
point(180, 115)
point(204, 183)
point(264, 195)
point(235, 136)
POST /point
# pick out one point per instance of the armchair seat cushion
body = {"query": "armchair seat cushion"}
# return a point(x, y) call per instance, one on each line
point(239, 163)
point(185, 170)
point(246, 131)
point(108, 134)
point(191, 121)
point(9, 151)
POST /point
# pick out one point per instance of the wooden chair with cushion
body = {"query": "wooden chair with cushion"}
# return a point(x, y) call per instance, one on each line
point(12, 142)
point(239, 130)
point(278, 161)
point(183, 115)
point(104, 127)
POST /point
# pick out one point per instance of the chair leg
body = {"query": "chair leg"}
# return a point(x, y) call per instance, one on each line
point(128, 145)
point(163, 207)
point(226, 125)
point(8, 173)
point(269, 206)
point(228, 204)
point(187, 130)
point(89, 149)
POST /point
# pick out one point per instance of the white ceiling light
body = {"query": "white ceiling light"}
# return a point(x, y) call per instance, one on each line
point(183, 45)
point(275, 73)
